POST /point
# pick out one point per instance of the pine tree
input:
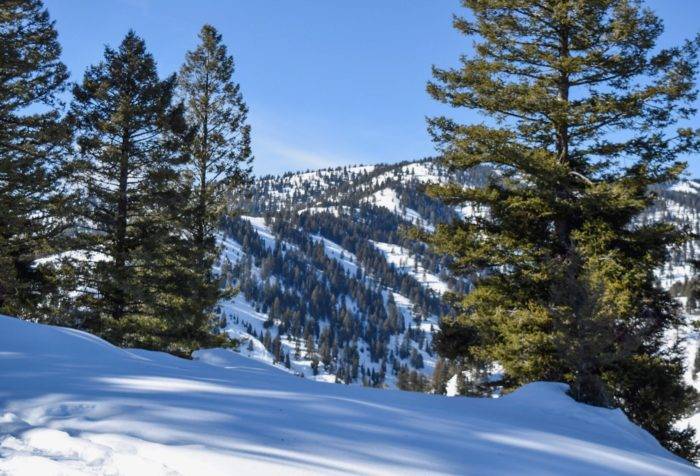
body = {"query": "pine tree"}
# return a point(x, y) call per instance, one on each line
point(439, 377)
point(32, 145)
point(310, 347)
point(403, 379)
point(583, 122)
point(132, 145)
point(297, 349)
point(220, 154)
point(461, 382)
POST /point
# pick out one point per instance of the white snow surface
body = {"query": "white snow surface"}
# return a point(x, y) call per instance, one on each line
point(262, 230)
point(404, 262)
point(686, 186)
point(389, 199)
point(71, 403)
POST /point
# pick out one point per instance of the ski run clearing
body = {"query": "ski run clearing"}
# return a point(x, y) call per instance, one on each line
point(74, 404)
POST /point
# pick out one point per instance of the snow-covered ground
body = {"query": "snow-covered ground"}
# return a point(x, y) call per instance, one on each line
point(404, 262)
point(389, 199)
point(72, 404)
point(686, 186)
point(334, 251)
point(262, 230)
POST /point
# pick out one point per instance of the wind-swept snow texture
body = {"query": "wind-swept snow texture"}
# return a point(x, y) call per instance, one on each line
point(71, 403)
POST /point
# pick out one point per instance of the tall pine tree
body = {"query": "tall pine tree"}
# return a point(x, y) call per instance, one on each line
point(32, 145)
point(132, 141)
point(220, 154)
point(581, 121)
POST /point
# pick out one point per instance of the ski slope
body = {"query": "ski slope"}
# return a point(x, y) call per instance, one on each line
point(71, 403)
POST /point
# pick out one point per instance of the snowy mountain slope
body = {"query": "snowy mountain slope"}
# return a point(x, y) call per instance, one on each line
point(354, 217)
point(405, 263)
point(257, 326)
point(72, 404)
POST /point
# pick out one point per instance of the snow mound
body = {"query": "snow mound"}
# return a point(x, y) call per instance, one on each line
point(71, 403)
point(686, 186)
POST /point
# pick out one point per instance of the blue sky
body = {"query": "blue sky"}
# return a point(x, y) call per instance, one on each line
point(328, 82)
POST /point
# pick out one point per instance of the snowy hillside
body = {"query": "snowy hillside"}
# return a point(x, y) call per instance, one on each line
point(332, 289)
point(72, 404)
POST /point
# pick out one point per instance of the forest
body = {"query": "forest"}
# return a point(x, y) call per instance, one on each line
point(553, 241)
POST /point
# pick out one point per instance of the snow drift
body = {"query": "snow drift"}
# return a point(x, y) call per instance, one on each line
point(71, 403)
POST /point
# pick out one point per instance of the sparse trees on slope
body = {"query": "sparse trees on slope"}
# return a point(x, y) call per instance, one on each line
point(585, 112)
point(32, 144)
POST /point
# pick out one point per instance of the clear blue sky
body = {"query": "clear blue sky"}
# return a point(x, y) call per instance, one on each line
point(327, 82)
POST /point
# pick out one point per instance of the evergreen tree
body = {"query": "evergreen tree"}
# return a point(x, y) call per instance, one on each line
point(461, 382)
point(585, 112)
point(403, 379)
point(440, 377)
point(297, 349)
point(416, 359)
point(32, 144)
point(132, 140)
point(220, 154)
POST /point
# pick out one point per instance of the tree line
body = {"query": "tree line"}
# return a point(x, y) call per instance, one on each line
point(111, 188)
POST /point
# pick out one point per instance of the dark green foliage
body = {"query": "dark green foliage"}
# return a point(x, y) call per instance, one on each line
point(132, 141)
point(33, 142)
point(411, 380)
point(582, 113)
point(219, 159)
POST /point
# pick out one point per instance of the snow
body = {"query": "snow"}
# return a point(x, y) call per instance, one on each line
point(286, 186)
point(421, 172)
point(333, 210)
point(673, 273)
point(71, 403)
point(231, 250)
point(334, 251)
point(93, 256)
point(686, 186)
point(404, 262)
point(263, 230)
point(388, 198)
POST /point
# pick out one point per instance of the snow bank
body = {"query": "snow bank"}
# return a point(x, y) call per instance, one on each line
point(72, 404)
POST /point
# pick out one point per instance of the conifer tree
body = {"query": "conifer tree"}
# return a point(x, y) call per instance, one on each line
point(132, 144)
point(220, 153)
point(440, 377)
point(32, 145)
point(582, 116)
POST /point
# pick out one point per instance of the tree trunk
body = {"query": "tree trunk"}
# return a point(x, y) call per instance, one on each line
point(120, 246)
